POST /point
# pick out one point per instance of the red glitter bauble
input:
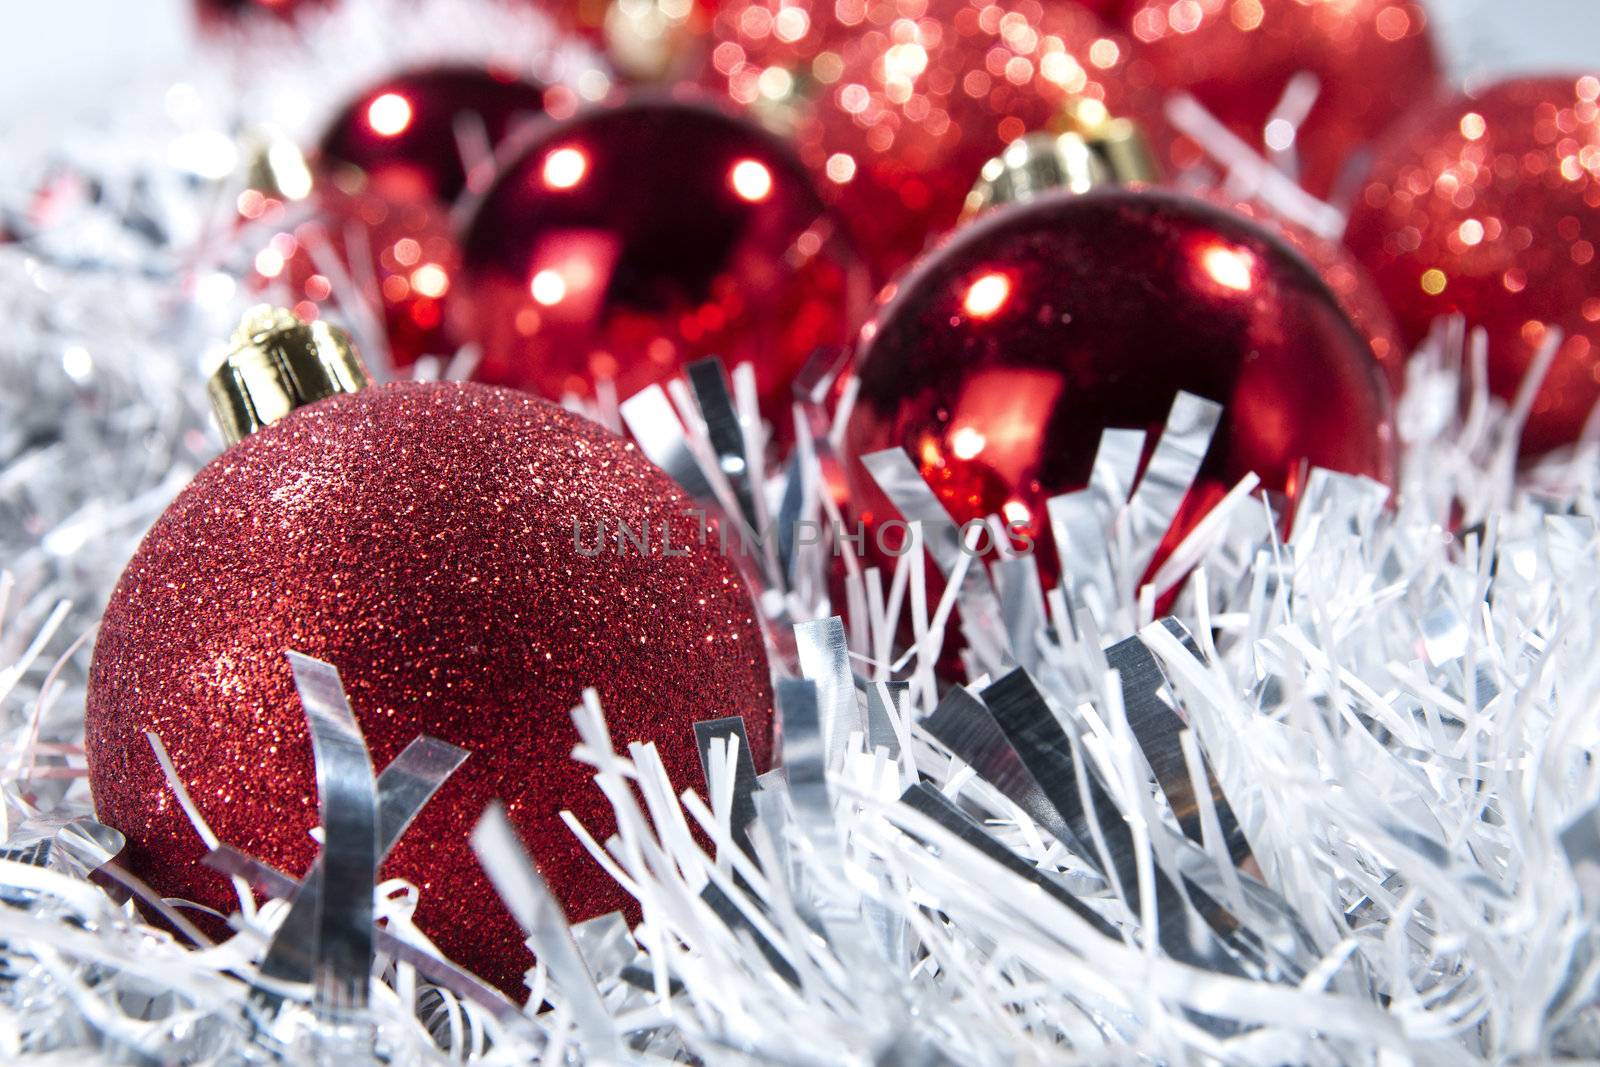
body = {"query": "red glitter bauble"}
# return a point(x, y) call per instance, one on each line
point(423, 538)
point(897, 104)
point(1365, 61)
point(1489, 205)
point(418, 135)
point(633, 239)
point(1358, 294)
point(221, 14)
point(1003, 356)
point(360, 246)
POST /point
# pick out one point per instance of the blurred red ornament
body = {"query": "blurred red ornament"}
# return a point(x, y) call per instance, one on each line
point(1001, 358)
point(396, 259)
point(430, 133)
point(633, 239)
point(1358, 294)
point(424, 539)
point(897, 104)
point(1257, 65)
point(1489, 205)
point(222, 14)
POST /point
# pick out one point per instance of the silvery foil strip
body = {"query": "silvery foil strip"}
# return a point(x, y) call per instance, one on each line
point(274, 883)
point(930, 802)
point(886, 703)
point(660, 436)
point(824, 660)
point(902, 484)
point(1021, 608)
point(1185, 438)
point(538, 913)
point(347, 794)
point(708, 381)
point(1043, 747)
point(964, 724)
point(1151, 704)
point(711, 731)
point(404, 787)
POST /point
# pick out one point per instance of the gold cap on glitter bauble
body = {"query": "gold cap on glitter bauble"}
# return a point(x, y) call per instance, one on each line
point(279, 363)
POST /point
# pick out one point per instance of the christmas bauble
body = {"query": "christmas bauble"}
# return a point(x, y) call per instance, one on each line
point(1002, 357)
point(431, 541)
point(339, 246)
point(633, 239)
point(1489, 205)
point(896, 104)
point(430, 133)
point(1357, 293)
point(1320, 78)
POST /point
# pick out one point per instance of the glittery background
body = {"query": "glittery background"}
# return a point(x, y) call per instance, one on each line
point(1489, 205)
point(420, 538)
point(897, 104)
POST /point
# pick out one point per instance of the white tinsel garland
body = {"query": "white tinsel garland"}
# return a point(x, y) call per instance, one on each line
point(1347, 813)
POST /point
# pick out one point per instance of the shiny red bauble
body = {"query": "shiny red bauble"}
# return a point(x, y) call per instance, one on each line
point(424, 539)
point(1364, 62)
point(389, 261)
point(1002, 357)
point(430, 133)
point(897, 104)
point(633, 239)
point(1488, 205)
point(1349, 281)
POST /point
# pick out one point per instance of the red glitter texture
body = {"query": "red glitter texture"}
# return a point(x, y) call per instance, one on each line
point(1372, 60)
point(898, 104)
point(1489, 205)
point(410, 133)
point(634, 239)
point(998, 362)
point(420, 537)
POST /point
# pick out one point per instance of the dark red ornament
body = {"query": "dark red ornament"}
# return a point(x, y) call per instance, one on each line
point(430, 133)
point(423, 538)
point(633, 239)
point(1364, 62)
point(1001, 358)
point(397, 257)
point(1488, 205)
point(896, 104)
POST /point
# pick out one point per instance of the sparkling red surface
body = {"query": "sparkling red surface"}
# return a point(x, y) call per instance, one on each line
point(897, 104)
point(400, 254)
point(1489, 205)
point(998, 362)
point(414, 135)
point(634, 239)
point(1372, 60)
point(420, 538)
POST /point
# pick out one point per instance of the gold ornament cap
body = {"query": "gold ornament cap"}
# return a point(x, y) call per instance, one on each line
point(652, 40)
point(1088, 155)
point(280, 363)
